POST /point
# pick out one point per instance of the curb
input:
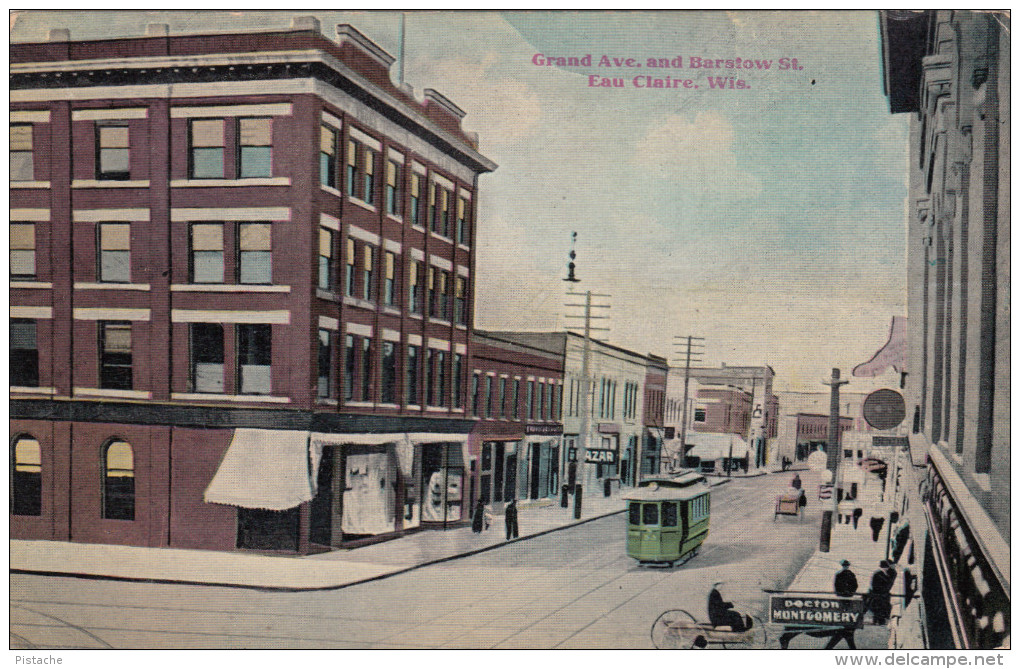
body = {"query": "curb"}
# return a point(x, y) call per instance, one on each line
point(269, 588)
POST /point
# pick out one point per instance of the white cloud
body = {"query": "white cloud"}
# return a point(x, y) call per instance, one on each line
point(697, 154)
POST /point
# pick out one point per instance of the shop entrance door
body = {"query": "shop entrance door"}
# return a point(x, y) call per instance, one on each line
point(320, 530)
point(510, 487)
point(536, 462)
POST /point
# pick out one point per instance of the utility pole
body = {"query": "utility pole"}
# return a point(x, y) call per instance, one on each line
point(833, 454)
point(586, 383)
point(691, 342)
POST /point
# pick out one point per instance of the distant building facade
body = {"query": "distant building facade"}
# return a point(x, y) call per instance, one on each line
point(950, 71)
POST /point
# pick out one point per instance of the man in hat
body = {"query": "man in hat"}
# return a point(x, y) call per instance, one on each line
point(845, 583)
point(879, 594)
point(719, 612)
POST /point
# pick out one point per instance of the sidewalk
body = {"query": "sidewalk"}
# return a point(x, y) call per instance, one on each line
point(864, 554)
point(335, 569)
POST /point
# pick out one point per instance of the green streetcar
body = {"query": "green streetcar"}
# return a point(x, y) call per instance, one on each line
point(667, 518)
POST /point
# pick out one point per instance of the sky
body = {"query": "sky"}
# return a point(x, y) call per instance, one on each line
point(768, 219)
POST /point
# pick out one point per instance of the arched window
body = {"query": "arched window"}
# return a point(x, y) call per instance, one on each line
point(26, 477)
point(118, 481)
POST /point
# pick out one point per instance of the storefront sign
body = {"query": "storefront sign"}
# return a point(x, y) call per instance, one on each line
point(599, 455)
point(546, 429)
point(609, 428)
point(816, 611)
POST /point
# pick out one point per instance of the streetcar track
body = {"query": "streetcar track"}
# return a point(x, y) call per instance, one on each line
point(64, 622)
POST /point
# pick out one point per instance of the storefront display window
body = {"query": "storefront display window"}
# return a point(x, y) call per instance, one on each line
point(442, 480)
point(370, 495)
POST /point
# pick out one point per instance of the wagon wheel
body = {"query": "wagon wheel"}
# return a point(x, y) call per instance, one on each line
point(665, 634)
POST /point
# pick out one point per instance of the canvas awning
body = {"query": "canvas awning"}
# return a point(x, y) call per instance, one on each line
point(715, 446)
point(263, 469)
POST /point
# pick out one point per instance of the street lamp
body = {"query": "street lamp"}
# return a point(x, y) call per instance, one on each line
point(833, 456)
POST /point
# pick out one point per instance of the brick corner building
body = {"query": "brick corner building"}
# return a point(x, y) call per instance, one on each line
point(241, 289)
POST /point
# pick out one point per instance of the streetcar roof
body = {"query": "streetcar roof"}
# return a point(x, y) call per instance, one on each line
point(663, 494)
point(677, 481)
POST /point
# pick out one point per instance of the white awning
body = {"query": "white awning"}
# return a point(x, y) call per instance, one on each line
point(263, 469)
point(715, 445)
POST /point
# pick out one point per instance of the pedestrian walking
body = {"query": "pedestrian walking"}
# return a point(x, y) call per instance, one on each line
point(858, 512)
point(878, 594)
point(876, 526)
point(478, 517)
point(795, 483)
point(845, 583)
point(510, 516)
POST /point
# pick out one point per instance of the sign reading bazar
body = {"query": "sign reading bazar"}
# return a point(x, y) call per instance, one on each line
point(598, 455)
point(816, 611)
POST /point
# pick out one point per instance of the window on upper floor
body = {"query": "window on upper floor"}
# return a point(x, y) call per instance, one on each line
point(529, 402)
point(254, 147)
point(433, 221)
point(324, 385)
point(443, 224)
point(458, 380)
point(443, 294)
point(388, 387)
point(460, 300)
point(430, 290)
point(350, 366)
point(22, 251)
point(367, 369)
point(414, 284)
point(394, 190)
point(206, 254)
point(412, 374)
point(113, 150)
point(361, 168)
point(26, 477)
point(328, 150)
point(207, 357)
point(515, 401)
point(326, 264)
point(115, 355)
point(490, 388)
point(24, 354)
point(254, 358)
point(417, 188)
point(22, 161)
point(118, 481)
point(350, 258)
point(114, 252)
point(463, 221)
point(255, 253)
point(390, 297)
point(699, 415)
point(368, 272)
point(206, 154)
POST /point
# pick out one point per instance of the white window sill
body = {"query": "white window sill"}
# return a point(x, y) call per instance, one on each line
point(457, 410)
point(360, 405)
point(230, 183)
point(413, 407)
point(391, 311)
point(387, 405)
point(29, 390)
point(439, 321)
point(30, 184)
point(395, 218)
point(111, 286)
point(331, 190)
point(443, 409)
point(461, 327)
point(361, 203)
point(216, 397)
point(108, 183)
point(464, 248)
point(327, 295)
point(225, 288)
point(417, 227)
point(109, 392)
point(327, 401)
point(415, 316)
point(31, 284)
point(355, 302)
point(438, 236)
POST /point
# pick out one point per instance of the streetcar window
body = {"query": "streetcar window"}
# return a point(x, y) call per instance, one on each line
point(669, 514)
point(651, 514)
point(635, 513)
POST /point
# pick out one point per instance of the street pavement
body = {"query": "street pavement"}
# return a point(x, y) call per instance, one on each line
point(572, 588)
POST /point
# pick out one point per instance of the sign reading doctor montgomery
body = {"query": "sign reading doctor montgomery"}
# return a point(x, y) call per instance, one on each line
point(816, 611)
